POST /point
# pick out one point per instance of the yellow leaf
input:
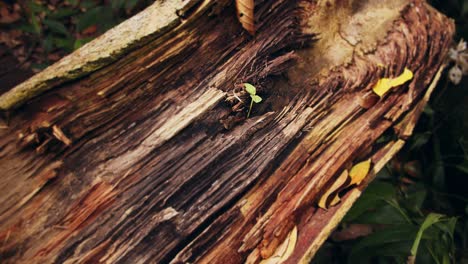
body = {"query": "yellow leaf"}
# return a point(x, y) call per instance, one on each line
point(382, 86)
point(335, 186)
point(403, 78)
point(285, 250)
point(359, 171)
point(335, 200)
point(291, 244)
point(385, 84)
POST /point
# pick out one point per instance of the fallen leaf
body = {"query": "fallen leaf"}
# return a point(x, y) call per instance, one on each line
point(359, 171)
point(53, 56)
point(245, 14)
point(385, 84)
point(335, 200)
point(89, 30)
point(285, 250)
point(336, 186)
point(7, 17)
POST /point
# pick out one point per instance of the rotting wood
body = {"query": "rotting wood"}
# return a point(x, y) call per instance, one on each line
point(152, 23)
point(133, 162)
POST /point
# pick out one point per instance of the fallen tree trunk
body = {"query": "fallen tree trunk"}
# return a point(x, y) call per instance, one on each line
point(136, 148)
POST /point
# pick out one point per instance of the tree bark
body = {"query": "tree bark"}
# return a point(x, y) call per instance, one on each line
point(136, 148)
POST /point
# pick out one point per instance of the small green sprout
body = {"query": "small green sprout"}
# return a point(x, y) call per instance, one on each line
point(253, 95)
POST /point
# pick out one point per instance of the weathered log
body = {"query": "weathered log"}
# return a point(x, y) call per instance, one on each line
point(142, 152)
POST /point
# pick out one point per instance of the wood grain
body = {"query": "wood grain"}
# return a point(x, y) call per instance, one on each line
point(133, 162)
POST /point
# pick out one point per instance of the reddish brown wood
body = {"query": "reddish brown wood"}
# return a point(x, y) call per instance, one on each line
point(150, 159)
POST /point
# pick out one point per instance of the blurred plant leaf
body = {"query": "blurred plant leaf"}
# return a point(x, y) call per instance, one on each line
point(428, 110)
point(63, 13)
point(56, 26)
point(48, 44)
point(464, 9)
point(395, 241)
point(27, 28)
point(118, 4)
point(438, 170)
point(87, 4)
point(64, 43)
point(73, 2)
point(35, 7)
point(131, 4)
point(463, 166)
point(39, 66)
point(431, 219)
point(419, 139)
point(80, 42)
point(416, 196)
point(89, 18)
point(36, 26)
point(371, 199)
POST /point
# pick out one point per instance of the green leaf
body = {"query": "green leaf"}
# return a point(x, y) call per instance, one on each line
point(428, 110)
point(87, 4)
point(73, 2)
point(439, 169)
point(420, 139)
point(464, 10)
point(250, 89)
point(91, 17)
point(131, 4)
point(463, 167)
point(257, 99)
point(384, 215)
point(64, 43)
point(80, 42)
point(48, 44)
point(372, 199)
point(416, 197)
point(35, 7)
point(381, 254)
point(449, 226)
point(395, 241)
point(63, 13)
point(39, 66)
point(56, 26)
point(37, 29)
point(431, 219)
point(27, 28)
point(118, 4)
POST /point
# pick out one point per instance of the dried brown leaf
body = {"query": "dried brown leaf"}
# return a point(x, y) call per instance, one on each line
point(245, 14)
point(324, 201)
point(285, 250)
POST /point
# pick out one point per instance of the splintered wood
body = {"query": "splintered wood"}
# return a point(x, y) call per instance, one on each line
point(149, 158)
